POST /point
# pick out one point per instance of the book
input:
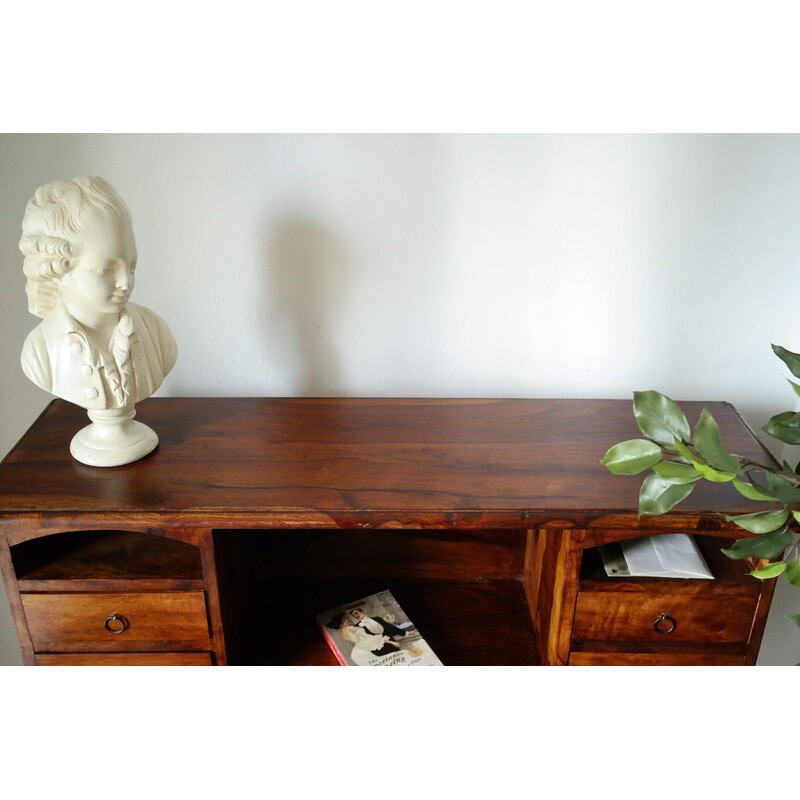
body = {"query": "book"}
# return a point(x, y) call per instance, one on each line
point(669, 555)
point(375, 632)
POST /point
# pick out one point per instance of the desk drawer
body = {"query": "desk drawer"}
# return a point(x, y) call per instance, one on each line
point(124, 659)
point(637, 617)
point(59, 621)
point(655, 660)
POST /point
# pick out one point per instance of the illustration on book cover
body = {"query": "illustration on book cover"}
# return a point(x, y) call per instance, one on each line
point(375, 632)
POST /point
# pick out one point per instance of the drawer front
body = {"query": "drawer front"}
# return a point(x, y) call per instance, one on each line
point(124, 660)
point(116, 619)
point(637, 617)
point(654, 660)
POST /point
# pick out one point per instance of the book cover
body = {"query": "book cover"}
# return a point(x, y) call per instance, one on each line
point(375, 632)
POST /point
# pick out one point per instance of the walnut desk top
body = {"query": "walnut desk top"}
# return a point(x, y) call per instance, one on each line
point(483, 510)
point(350, 463)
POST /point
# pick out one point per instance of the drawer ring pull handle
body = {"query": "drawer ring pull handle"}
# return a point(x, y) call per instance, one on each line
point(116, 618)
point(659, 628)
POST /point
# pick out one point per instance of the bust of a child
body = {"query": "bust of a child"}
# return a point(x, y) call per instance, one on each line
point(93, 347)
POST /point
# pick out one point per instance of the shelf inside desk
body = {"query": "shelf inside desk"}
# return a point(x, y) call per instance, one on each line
point(110, 560)
point(470, 611)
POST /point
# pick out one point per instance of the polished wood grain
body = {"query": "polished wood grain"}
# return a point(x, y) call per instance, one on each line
point(578, 608)
point(622, 616)
point(205, 543)
point(465, 622)
point(552, 585)
point(393, 554)
point(482, 517)
point(730, 576)
point(246, 462)
point(124, 660)
point(99, 557)
point(15, 601)
point(57, 620)
point(471, 610)
point(654, 660)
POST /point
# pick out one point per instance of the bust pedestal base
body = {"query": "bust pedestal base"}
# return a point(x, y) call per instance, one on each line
point(114, 438)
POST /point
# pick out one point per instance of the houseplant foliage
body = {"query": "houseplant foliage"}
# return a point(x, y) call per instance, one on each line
point(678, 459)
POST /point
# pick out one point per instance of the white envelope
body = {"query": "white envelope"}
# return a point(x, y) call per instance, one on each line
point(669, 555)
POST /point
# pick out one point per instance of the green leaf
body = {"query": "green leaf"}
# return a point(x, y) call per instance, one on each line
point(794, 618)
point(792, 360)
point(789, 419)
point(786, 492)
point(657, 495)
point(660, 418)
point(796, 515)
point(770, 545)
point(708, 443)
point(795, 386)
point(752, 490)
point(770, 571)
point(793, 572)
point(688, 454)
point(699, 463)
point(760, 522)
point(631, 457)
point(785, 427)
point(711, 474)
point(674, 472)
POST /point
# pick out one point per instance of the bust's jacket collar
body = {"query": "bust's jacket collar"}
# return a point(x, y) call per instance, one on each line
point(115, 366)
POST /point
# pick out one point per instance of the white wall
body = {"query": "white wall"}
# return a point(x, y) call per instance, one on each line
point(444, 265)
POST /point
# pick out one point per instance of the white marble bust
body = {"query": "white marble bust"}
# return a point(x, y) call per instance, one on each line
point(93, 347)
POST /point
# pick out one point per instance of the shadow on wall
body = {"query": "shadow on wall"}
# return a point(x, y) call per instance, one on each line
point(307, 282)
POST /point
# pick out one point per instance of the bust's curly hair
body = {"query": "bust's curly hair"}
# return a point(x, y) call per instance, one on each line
point(52, 219)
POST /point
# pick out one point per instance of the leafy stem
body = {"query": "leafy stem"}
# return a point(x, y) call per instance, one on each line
point(679, 458)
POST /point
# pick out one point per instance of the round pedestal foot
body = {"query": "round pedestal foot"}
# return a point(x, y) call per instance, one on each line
point(114, 438)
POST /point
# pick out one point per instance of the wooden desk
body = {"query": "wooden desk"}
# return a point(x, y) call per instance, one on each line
point(253, 515)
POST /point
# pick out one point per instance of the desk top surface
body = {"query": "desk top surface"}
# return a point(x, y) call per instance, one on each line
point(335, 462)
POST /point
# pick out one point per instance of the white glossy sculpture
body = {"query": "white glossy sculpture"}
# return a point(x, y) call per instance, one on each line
point(93, 347)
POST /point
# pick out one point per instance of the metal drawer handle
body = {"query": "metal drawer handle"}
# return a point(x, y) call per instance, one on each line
point(116, 618)
point(659, 628)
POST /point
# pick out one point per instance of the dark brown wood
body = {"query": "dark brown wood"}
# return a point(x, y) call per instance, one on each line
point(654, 660)
point(626, 617)
point(472, 611)
point(56, 620)
point(408, 554)
point(107, 556)
point(124, 660)
point(673, 650)
point(594, 613)
point(255, 462)
point(15, 601)
point(480, 515)
point(556, 562)
point(731, 576)
point(760, 622)
point(206, 548)
point(466, 622)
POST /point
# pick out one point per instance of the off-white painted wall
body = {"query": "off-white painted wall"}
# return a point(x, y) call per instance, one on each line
point(444, 265)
